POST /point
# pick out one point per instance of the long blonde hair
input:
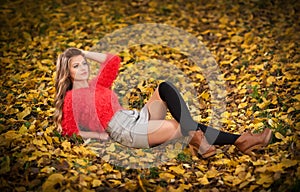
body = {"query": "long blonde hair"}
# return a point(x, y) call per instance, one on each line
point(63, 82)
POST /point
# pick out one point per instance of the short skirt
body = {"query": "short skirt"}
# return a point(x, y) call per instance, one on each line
point(130, 128)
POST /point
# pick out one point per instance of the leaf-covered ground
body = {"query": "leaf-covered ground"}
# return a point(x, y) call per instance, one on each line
point(255, 43)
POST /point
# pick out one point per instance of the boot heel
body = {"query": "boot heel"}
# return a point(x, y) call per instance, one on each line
point(199, 146)
point(253, 148)
point(193, 150)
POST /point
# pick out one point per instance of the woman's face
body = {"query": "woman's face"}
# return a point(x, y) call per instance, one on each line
point(79, 68)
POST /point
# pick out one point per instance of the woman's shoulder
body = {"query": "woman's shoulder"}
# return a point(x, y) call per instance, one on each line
point(77, 94)
point(68, 94)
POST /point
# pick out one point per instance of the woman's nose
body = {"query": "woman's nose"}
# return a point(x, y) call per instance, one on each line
point(82, 67)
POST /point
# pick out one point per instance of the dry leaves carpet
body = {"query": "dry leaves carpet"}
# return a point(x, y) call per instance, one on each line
point(255, 43)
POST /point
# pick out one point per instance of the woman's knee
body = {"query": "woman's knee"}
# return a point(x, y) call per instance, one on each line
point(157, 110)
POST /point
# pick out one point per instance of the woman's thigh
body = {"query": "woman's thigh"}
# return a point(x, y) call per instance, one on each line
point(160, 131)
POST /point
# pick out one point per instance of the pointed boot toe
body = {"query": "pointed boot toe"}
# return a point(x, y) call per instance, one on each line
point(248, 141)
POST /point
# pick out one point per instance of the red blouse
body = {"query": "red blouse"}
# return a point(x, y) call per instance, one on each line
point(92, 108)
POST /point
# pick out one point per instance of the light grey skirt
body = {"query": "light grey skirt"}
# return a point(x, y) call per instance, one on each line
point(130, 128)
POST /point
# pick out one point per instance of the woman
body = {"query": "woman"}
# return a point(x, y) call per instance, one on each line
point(91, 109)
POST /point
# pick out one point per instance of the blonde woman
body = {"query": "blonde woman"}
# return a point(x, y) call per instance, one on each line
point(91, 109)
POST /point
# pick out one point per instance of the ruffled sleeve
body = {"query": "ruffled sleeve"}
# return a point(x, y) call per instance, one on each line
point(108, 72)
point(69, 125)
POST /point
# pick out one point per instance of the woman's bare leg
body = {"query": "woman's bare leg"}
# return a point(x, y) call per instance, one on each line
point(160, 131)
point(157, 108)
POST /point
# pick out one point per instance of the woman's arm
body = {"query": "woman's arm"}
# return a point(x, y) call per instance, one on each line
point(108, 71)
point(98, 57)
point(93, 135)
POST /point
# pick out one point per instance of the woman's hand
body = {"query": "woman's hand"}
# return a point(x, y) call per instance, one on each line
point(104, 136)
point(98, 57)
point(84, 52)
point(94, 135)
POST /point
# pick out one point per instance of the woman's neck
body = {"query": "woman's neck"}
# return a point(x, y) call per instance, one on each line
point(80, 84)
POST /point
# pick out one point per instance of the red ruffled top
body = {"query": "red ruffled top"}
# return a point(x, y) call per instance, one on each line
point(91, 109)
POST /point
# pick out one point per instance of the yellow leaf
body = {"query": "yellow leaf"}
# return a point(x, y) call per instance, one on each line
point(202, 167)
point(27, 36)
point(212, 173)
point(272, 123)
point(222, 161)
point(198, 173)
point(38, 142)
point(92, 168)
point(270, 80)
point(66, 145)
point(244, 184)
point(291, 109)
point(274, 100)
point(115, 182)
point(87, 190)
point(279, 136)
point(88, 178)
point(166, 176)
point(239, 168)
point(236, 39)
point(47, 170)
point(242, 105)
point(263, 104)
point(261, 169)
point(229, 178)
point(177, 169)
point(199, 77)
point(52, 181)
point(172, 154)
point(185, 187)
point(297, 97)
point(48, 139)
point(298, 172)
point(248, 37)
point(297, 126)
point(23, 129)
point(24, 113)
point(111, 147)
point(205, 95)
point(257, 67)
point(224, 20)
point(25, 75)
point(253, 187)
point(81, 162)
point(226, 114)
point(107, 167)
point(289, 163)
point(231, 78)
point(5, 165)
point(258, 125)
point(140, 152)
point(72, 44)
point(243, 91)
point(56, 139)
point(265, 178)
point(203, 181)
point(47, 61)
point(106, 158)
point(132, 160)
point(96, 183)
point(275, 168)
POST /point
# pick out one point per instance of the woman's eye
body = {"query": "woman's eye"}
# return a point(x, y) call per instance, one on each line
point(75, 66)
point(85, 63)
